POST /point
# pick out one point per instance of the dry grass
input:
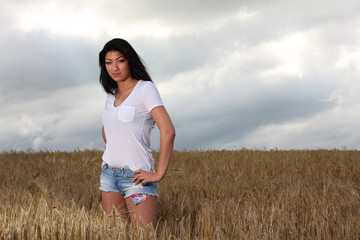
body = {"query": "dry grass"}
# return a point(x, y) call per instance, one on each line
point(245, 194)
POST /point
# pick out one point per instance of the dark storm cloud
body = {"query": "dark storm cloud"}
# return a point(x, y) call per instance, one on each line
point(230, 113)
point(35, 63)
point(232, 74)
point(46, 92)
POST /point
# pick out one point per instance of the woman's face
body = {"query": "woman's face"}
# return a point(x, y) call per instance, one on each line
point(117, 66)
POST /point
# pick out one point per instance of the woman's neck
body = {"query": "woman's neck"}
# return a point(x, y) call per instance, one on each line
point(127, 84)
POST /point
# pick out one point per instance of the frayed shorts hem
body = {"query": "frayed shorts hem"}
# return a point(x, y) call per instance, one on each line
point(129, 195)
point(119, 180)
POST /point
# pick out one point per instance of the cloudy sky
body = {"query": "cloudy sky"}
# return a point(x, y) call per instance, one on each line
point(232, 74)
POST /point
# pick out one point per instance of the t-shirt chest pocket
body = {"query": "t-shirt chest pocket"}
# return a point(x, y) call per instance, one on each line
point(126, 114)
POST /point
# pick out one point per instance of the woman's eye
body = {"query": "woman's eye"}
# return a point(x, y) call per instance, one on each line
point(121, 61)
point(107, 63)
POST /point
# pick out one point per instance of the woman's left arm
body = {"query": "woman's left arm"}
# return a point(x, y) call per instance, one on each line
point(167, 136)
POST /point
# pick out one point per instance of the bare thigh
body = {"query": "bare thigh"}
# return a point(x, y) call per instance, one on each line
point(145, 211)
point(109, 199)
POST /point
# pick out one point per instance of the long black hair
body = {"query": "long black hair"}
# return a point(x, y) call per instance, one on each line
point(137, 67)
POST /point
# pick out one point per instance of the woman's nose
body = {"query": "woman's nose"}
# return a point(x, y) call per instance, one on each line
point(115, 66)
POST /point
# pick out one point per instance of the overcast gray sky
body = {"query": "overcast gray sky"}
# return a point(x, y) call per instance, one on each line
point(232, 74)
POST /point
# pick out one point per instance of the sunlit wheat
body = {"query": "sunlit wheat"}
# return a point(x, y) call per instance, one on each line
point(243, 194)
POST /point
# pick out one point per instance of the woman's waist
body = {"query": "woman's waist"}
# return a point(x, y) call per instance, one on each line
point(134, 163)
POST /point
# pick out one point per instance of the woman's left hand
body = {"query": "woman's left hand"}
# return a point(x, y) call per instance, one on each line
point(145, 177)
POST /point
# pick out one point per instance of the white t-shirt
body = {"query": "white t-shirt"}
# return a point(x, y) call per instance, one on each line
point(128, 126)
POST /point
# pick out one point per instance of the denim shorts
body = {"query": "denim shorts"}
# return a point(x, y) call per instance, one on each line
point(120, 180)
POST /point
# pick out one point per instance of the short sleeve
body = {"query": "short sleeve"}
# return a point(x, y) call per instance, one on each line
point(151, 95)
point(109, 100)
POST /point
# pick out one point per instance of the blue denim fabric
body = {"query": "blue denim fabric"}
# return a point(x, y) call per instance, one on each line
point(120, 180)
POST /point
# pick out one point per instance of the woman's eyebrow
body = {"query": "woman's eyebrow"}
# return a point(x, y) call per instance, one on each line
point(115, 58)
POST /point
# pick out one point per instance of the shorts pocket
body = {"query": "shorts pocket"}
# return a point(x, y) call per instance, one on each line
point(128, 173)
point(126, 114)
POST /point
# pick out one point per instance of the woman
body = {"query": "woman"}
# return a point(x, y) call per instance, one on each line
point(128, 180)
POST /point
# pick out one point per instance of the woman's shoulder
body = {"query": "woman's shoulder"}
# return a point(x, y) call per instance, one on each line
point(109, 98)
point(145, 85)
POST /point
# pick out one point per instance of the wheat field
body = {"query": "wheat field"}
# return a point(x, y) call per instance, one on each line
point(240, 194)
